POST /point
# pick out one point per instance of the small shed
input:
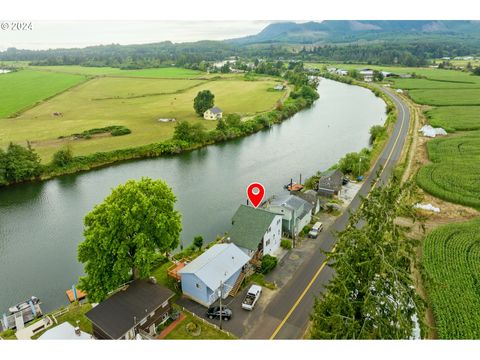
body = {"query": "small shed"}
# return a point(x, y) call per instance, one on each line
point(214, 113)
point(215, 271)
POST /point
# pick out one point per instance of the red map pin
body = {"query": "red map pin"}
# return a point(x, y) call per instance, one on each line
point(255, 193)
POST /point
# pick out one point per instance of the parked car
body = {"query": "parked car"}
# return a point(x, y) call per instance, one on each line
point(253, 294)
point(316, 229)
point(214, 312)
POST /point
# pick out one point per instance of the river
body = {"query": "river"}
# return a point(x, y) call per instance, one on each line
point(41, 223)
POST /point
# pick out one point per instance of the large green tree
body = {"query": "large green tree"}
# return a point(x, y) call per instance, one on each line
point(123, 234)
point(372, 294)
point(20, 163)
point(203, 101)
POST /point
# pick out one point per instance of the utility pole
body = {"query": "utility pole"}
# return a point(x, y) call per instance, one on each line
point(221, 310)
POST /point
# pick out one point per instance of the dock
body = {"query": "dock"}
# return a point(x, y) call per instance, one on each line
point(80, 295)
point(20, 318)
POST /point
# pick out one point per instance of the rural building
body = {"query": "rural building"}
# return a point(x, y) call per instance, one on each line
point(311, 197)
point(202, 278)
point(65, 331)
point(296, 213)
point(256, 231)
point(367, 74)
point(387, 74)
point(279, 87)
point(213, 113)
point(341, 72)
point(330, 183)
point(140, 307)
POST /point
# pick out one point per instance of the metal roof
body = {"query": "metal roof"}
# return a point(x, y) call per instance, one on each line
point(217, 264)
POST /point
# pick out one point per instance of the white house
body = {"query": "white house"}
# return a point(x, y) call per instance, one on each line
point(213, 113)
point(296, 213)
point(256, 231)
point(367, 74)
point(213, 273)
point(341, 72)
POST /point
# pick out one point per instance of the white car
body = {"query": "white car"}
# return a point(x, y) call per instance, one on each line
point(253, 294)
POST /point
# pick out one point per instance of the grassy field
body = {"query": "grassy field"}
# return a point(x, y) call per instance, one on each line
point(455, 118)
point(136, 103)
point(170, 72)
point(19, 90)
point(451, 260)
point(446, 97)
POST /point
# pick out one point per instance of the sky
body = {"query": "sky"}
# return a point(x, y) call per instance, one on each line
point(68, 34)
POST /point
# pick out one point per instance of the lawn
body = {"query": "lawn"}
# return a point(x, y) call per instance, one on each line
point(75, 312)
point(22, 89)
point(451, 262)
point(455, 118)
point(132, 102)
point(207, 332)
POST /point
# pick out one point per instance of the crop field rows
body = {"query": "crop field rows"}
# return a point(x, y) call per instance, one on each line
point(452, 273)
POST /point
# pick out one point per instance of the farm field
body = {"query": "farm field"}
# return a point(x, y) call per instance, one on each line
point(444, 97)
point(455, 118)
point(19, 90)
point(451, 259)
point(170, 72)
point(136, 103)
point(454, 174)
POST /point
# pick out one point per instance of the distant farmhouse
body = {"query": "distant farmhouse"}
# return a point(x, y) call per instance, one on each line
point(279, 87)
point(330, 183)
point(139, 308)
point(257, 232)
point(296, 213)
point(367, 74)
point(213, 113)
point(214, 272)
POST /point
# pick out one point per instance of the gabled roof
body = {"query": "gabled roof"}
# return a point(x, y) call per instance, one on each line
point(249, 225)
point(291, 201)
point(217, 264)
point(115, 315)
point(215, 110)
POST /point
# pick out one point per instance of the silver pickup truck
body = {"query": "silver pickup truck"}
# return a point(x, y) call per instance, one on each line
point(253, 294)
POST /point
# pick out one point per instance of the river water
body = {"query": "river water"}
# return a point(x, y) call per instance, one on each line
point(41, 223)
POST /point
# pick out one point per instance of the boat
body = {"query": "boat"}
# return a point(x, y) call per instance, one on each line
point(24, 305)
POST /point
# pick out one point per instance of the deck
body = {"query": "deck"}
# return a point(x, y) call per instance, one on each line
point(19, 319)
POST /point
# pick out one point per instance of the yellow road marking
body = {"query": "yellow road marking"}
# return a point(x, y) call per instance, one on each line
point(322, 266)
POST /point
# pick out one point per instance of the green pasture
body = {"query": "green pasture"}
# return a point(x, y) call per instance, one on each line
point(136, 103)
point(455, 118)
point(25, 88)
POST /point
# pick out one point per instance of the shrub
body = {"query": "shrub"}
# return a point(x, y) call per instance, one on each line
point(121, 130)
point(62, 157)
point(286, 244)
point(268, 264)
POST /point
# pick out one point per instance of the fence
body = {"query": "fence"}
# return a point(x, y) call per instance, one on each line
point(208, 323)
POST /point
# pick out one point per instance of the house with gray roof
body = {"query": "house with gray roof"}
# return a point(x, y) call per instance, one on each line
point(213, 273)
point(296, 212)
point(256, 231)
point(311, 197)
point(138, 307)
point(214, 113)
point(330, 183)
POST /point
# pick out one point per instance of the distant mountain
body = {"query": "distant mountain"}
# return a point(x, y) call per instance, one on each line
point(352, 30)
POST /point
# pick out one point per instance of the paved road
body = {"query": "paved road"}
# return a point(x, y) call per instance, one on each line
point(287, 315)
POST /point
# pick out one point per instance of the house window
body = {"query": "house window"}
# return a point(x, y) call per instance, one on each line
point(278, 222)
point(197, 285)
point(269, 229)
point(267, 242)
